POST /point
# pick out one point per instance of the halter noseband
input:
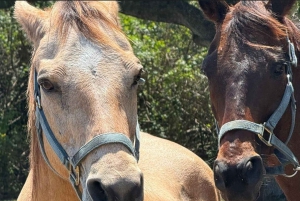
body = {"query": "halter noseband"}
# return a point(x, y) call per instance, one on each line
point(265, 130)
point(72, 163)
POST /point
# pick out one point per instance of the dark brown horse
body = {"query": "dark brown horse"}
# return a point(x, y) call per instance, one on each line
point(254, 81)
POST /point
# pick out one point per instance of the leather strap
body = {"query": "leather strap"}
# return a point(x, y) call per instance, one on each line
point(260, 130)
point(99, 140)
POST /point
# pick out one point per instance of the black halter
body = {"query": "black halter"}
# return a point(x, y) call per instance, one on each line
point(265, 130)
point(72, 163)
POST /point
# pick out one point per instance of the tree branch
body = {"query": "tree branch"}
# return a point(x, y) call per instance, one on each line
point(171, 11)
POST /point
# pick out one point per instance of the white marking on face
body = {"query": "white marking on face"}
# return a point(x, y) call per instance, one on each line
point(87, 55)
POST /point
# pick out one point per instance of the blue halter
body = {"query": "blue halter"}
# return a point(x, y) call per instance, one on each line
point(72, 163)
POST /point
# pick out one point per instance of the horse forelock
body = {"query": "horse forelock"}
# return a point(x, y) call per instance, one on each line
point(88, 18)
point(248, 18)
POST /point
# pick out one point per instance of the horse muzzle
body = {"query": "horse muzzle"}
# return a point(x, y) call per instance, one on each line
point(241, 181)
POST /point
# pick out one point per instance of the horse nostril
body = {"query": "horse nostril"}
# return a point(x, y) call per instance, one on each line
point(95, 190)
point(253, 170)
point(122, 189)
point(218, 176)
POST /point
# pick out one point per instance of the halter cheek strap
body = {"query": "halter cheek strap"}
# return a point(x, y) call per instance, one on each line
point(265, 131)
point(72, 163)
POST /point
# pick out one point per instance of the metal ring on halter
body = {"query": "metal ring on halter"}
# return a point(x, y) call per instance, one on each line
point(297, 168)
point(292, 175)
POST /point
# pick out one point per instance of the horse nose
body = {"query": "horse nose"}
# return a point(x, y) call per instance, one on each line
point(241, 177)
point(122, 189)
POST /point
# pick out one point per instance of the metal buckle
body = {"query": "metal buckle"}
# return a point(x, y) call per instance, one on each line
point(292, 54)
point(266, 139)
point(289, 78)
point(75, 172)
point(38, 102)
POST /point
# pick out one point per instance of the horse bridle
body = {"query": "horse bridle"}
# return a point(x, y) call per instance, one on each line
point(265, 131)
point(72, 163)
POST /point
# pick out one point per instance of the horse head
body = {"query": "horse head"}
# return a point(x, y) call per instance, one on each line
point(83, 98)
point(251, 68)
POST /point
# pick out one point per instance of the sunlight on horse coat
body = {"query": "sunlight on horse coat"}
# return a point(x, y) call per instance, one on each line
point(87, 75)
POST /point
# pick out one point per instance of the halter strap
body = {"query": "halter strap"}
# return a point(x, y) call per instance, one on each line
point(72, 163)
point(99, 140)
point(265, 131)
point(261, 130)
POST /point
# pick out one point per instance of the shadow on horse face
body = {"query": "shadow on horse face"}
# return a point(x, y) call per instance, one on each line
point(84, 79)
point(249, 66)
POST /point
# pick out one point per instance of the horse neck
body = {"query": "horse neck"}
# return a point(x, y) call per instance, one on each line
point(47, 185)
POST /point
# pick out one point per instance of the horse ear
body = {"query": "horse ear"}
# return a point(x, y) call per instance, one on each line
point(214, 10)
point(281, 7)
point(31, 19)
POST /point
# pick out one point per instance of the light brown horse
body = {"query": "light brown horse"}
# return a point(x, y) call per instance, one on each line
point(83, 115)
point(254, 80)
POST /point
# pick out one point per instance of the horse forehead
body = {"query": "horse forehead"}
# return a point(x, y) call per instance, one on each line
point(236, 64)
point(83, 53)
point(75, 52)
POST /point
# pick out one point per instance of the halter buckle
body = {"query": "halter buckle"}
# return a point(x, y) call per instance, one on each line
point(75, 173)
point(266, 136)
point(38, 102)
point(292, 54)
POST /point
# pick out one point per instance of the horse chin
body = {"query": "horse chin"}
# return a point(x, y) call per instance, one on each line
point(235, 197)
point(251, 195)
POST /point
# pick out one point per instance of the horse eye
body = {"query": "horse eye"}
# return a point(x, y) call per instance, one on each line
point(279, 68)
point(138, 80)
point(47, 85)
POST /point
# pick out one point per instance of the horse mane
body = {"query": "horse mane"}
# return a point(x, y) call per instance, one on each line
point(253, 16)
point(86, 18)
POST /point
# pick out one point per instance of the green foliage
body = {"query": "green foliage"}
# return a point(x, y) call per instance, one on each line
point(14, 60)
point(174, 102)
